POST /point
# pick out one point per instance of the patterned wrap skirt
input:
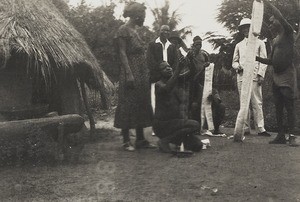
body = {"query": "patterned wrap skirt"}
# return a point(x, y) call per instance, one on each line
point(134, 105)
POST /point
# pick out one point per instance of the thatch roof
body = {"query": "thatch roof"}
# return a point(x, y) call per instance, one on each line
point(38, 29)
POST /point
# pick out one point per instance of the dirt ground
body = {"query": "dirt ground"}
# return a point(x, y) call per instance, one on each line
point(227, 171)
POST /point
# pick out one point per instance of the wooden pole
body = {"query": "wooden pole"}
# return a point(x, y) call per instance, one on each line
point(298, 17)
point(88, 109)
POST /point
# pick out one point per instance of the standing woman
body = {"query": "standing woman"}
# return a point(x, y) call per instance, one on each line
point(134, 109)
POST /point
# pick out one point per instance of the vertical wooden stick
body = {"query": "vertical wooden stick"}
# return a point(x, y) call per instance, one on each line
point(88, 109)
point(61, 143)
point(298, 17)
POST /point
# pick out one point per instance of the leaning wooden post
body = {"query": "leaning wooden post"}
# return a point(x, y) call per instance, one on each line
point(254, 31)
point(297, 47)
point(298, 13)
point(61, 142)
point(88, 109)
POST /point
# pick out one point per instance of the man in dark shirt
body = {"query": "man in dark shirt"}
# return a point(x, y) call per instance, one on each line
point(161, 49)
point(284, 76)
point(170, 121)
point(199, 59)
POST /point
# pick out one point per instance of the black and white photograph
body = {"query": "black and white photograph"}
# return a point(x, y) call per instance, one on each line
point(150, 100)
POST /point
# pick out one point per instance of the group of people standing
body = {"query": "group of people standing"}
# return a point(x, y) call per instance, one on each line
point(161, 86)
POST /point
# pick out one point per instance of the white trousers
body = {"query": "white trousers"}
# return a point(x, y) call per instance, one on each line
point(256, 103)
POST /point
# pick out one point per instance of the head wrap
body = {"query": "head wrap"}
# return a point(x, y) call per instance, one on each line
point(133, 9)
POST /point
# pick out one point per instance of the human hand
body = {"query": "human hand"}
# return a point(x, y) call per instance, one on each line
point(256, 34)
point(260, 80)
point(182, 63)
point(130, 81)
point(206, 64)
point(240, 70)
point(189, 54)
point(210, 98)
point(182, 59)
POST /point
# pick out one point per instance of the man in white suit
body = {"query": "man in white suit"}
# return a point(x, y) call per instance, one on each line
point(238, 63)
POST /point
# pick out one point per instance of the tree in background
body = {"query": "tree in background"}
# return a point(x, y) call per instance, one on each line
point(61, 5)
point(163, 16)
point(232, 11)
point(98, 26)
point(230, 14)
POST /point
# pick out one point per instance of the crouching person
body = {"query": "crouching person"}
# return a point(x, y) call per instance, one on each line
point(218, 109)
point(170, 120)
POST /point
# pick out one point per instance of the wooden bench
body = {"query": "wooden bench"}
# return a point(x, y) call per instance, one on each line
point(57, 126)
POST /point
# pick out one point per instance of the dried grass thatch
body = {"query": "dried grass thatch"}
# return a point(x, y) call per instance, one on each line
point(51, 44)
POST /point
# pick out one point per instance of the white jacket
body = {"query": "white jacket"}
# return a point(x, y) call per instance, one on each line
point(239, 58)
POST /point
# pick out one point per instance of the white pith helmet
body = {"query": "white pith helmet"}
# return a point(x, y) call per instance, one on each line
point(245, 21)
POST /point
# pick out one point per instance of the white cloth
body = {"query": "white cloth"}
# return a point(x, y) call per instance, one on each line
point(239, 59)
point(183, 52)
point(206, 111)
point(153, 96)
point(165, 58)
point(165, 48)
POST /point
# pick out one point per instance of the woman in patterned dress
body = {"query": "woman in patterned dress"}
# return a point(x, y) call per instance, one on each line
point(134, 105)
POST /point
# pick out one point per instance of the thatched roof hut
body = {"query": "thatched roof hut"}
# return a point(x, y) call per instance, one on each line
point(52, 48)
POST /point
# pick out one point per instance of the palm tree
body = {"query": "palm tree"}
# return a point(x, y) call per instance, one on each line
point(163, 16)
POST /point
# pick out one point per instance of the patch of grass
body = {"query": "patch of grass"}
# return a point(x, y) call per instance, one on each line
point(34, 147)
point(37, 147)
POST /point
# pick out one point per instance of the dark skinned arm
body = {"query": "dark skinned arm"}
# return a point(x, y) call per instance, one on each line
point(152, 63)
point(266, 61)
point(277, 14)
point(124, 61)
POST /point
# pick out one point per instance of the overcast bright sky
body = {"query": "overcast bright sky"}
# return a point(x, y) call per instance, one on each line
point(201, 14)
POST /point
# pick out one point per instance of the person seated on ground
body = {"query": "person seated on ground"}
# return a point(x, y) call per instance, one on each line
point(200, 60)
point(171, 124)
point(218, 108)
